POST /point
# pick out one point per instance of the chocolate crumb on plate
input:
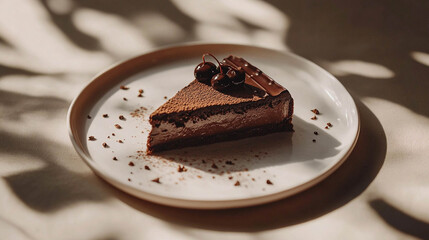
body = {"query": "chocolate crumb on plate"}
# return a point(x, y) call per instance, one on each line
point(105, 145)
point(141, 91)
point(326, 127)
point(89, 117)
point(237, 183)
point(120, 141)
point(329, 124)
point(214, 166)
point(314, 117)
point(269, 182)
point(129, 179)
point(316, 133)
point(315, 111)
point(140, 95)
point(91, 138)
point(124, 87)
point(118, 126)
point(131, 164)
point(165, 97)
point(115, 159)
point(146, 167)
point(230, 178)
point(113, 134)
point(314, 140)
point(105, 115)
point(182, 169)
point(125, 99)
point(121, 117)
point(229, 163)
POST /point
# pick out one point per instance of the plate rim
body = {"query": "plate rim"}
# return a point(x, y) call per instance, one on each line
point(208, 204)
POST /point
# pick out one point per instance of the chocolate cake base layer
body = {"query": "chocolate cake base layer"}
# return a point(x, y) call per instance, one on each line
point(285, 125)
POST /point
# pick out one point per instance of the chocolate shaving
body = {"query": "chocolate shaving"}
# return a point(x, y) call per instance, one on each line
point(115, 159)
point(105, 115)
point(105, 145)
point(118, 126)
point(156, 180)
point(329, 124)
point(316, 133)
point(91, 138)
point(141, 91)
point(269, 182)
point(182, 169)
point(237, 183)
point(146, 167)
point(125, 99)
point(124, 87)
point(121, 117)
point(315, 111)
point(314, 117)
point(131, 164)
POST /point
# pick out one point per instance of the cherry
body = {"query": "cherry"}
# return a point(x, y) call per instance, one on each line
point(205, 70)
point(225, 68)
point(220, 81)
point(237, 76)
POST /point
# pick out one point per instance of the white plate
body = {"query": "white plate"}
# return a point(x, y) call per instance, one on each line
point(291, 161)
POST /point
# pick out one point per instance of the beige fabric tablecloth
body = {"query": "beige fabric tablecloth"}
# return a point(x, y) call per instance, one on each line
point(50, 49)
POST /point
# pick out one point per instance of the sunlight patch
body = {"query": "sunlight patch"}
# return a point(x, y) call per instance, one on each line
point(360, 68)
point(421, 57)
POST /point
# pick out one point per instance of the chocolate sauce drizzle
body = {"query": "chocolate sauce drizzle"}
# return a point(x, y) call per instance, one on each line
point(255, 76)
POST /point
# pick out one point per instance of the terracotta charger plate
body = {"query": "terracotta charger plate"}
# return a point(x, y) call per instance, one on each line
point(223, 175)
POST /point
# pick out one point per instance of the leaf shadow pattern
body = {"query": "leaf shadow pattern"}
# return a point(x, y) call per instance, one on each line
point(345, 184)
point(379, 32)
point(128, 9)
point(400, 220)
point(48, 188)
point(8, 70)
point(17, 104)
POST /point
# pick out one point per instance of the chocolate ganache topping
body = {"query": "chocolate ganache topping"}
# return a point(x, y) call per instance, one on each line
point(233, 72)
point(255, 76)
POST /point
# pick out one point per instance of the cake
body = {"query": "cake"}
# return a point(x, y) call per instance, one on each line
point(232, 101)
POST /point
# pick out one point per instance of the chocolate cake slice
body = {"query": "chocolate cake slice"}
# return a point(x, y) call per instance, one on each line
point(201, 113)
